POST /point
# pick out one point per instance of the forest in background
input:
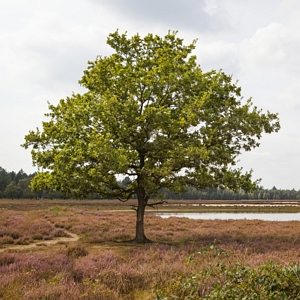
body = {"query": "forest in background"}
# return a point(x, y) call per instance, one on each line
point(16, 186)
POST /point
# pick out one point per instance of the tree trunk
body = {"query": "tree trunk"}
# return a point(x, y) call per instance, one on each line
point(140, 234)
point(142, 202)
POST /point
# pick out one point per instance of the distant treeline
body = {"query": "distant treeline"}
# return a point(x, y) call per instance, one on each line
point(16, 186)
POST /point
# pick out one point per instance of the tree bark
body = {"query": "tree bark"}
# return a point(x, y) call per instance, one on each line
point(140, 213)
point(142, 203)
point(140, 234)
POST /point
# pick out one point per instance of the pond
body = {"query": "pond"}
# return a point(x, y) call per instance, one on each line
point(235, 216)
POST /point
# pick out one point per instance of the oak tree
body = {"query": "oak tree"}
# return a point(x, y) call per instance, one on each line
point(151, 114)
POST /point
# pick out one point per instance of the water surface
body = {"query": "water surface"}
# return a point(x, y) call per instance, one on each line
point(235, 216)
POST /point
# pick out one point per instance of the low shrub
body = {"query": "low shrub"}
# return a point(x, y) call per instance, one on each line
point(268, 281)
point(238, 281)
point(6, 240)
point(76, 252)
point(6, 259)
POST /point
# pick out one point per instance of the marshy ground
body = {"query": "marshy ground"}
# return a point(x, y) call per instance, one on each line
point(71, 249)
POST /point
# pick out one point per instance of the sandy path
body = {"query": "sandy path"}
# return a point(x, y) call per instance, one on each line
point(73, 238)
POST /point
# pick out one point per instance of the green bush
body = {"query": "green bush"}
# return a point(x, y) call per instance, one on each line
point(268, 281)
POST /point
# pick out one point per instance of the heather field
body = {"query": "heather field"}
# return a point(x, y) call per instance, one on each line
point(78, 250)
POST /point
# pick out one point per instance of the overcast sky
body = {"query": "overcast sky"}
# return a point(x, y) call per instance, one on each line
point(45, 46)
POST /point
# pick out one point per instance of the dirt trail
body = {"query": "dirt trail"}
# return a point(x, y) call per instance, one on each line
point(73, 238)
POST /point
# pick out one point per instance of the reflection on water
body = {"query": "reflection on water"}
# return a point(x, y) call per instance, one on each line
point(235, 216)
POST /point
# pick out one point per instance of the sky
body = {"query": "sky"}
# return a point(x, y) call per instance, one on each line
point(45, 46)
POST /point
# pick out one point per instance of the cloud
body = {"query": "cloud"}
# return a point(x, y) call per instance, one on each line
point(270, 61)
point(272, 47)
point(191, 14)
point(265, 48)
point(218, 55)
point(44, 49)
point(51, 49)
point(289, 95)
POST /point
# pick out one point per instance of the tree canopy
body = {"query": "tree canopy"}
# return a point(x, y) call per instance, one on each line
point(151, 114)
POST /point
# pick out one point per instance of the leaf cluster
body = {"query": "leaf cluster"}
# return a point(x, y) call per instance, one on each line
point(151, 114)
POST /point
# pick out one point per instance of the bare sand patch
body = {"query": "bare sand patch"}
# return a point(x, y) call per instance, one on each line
point(72, 238)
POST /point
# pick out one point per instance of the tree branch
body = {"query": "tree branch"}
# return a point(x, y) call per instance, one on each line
point(156, 203)
point(134, 207)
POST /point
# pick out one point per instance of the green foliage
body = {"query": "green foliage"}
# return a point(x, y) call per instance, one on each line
point(212, 249)
point(151, 114)
point(268, 281)
point(5, 179)
point(227, 194)
point(12, 191)
point(15, 185)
